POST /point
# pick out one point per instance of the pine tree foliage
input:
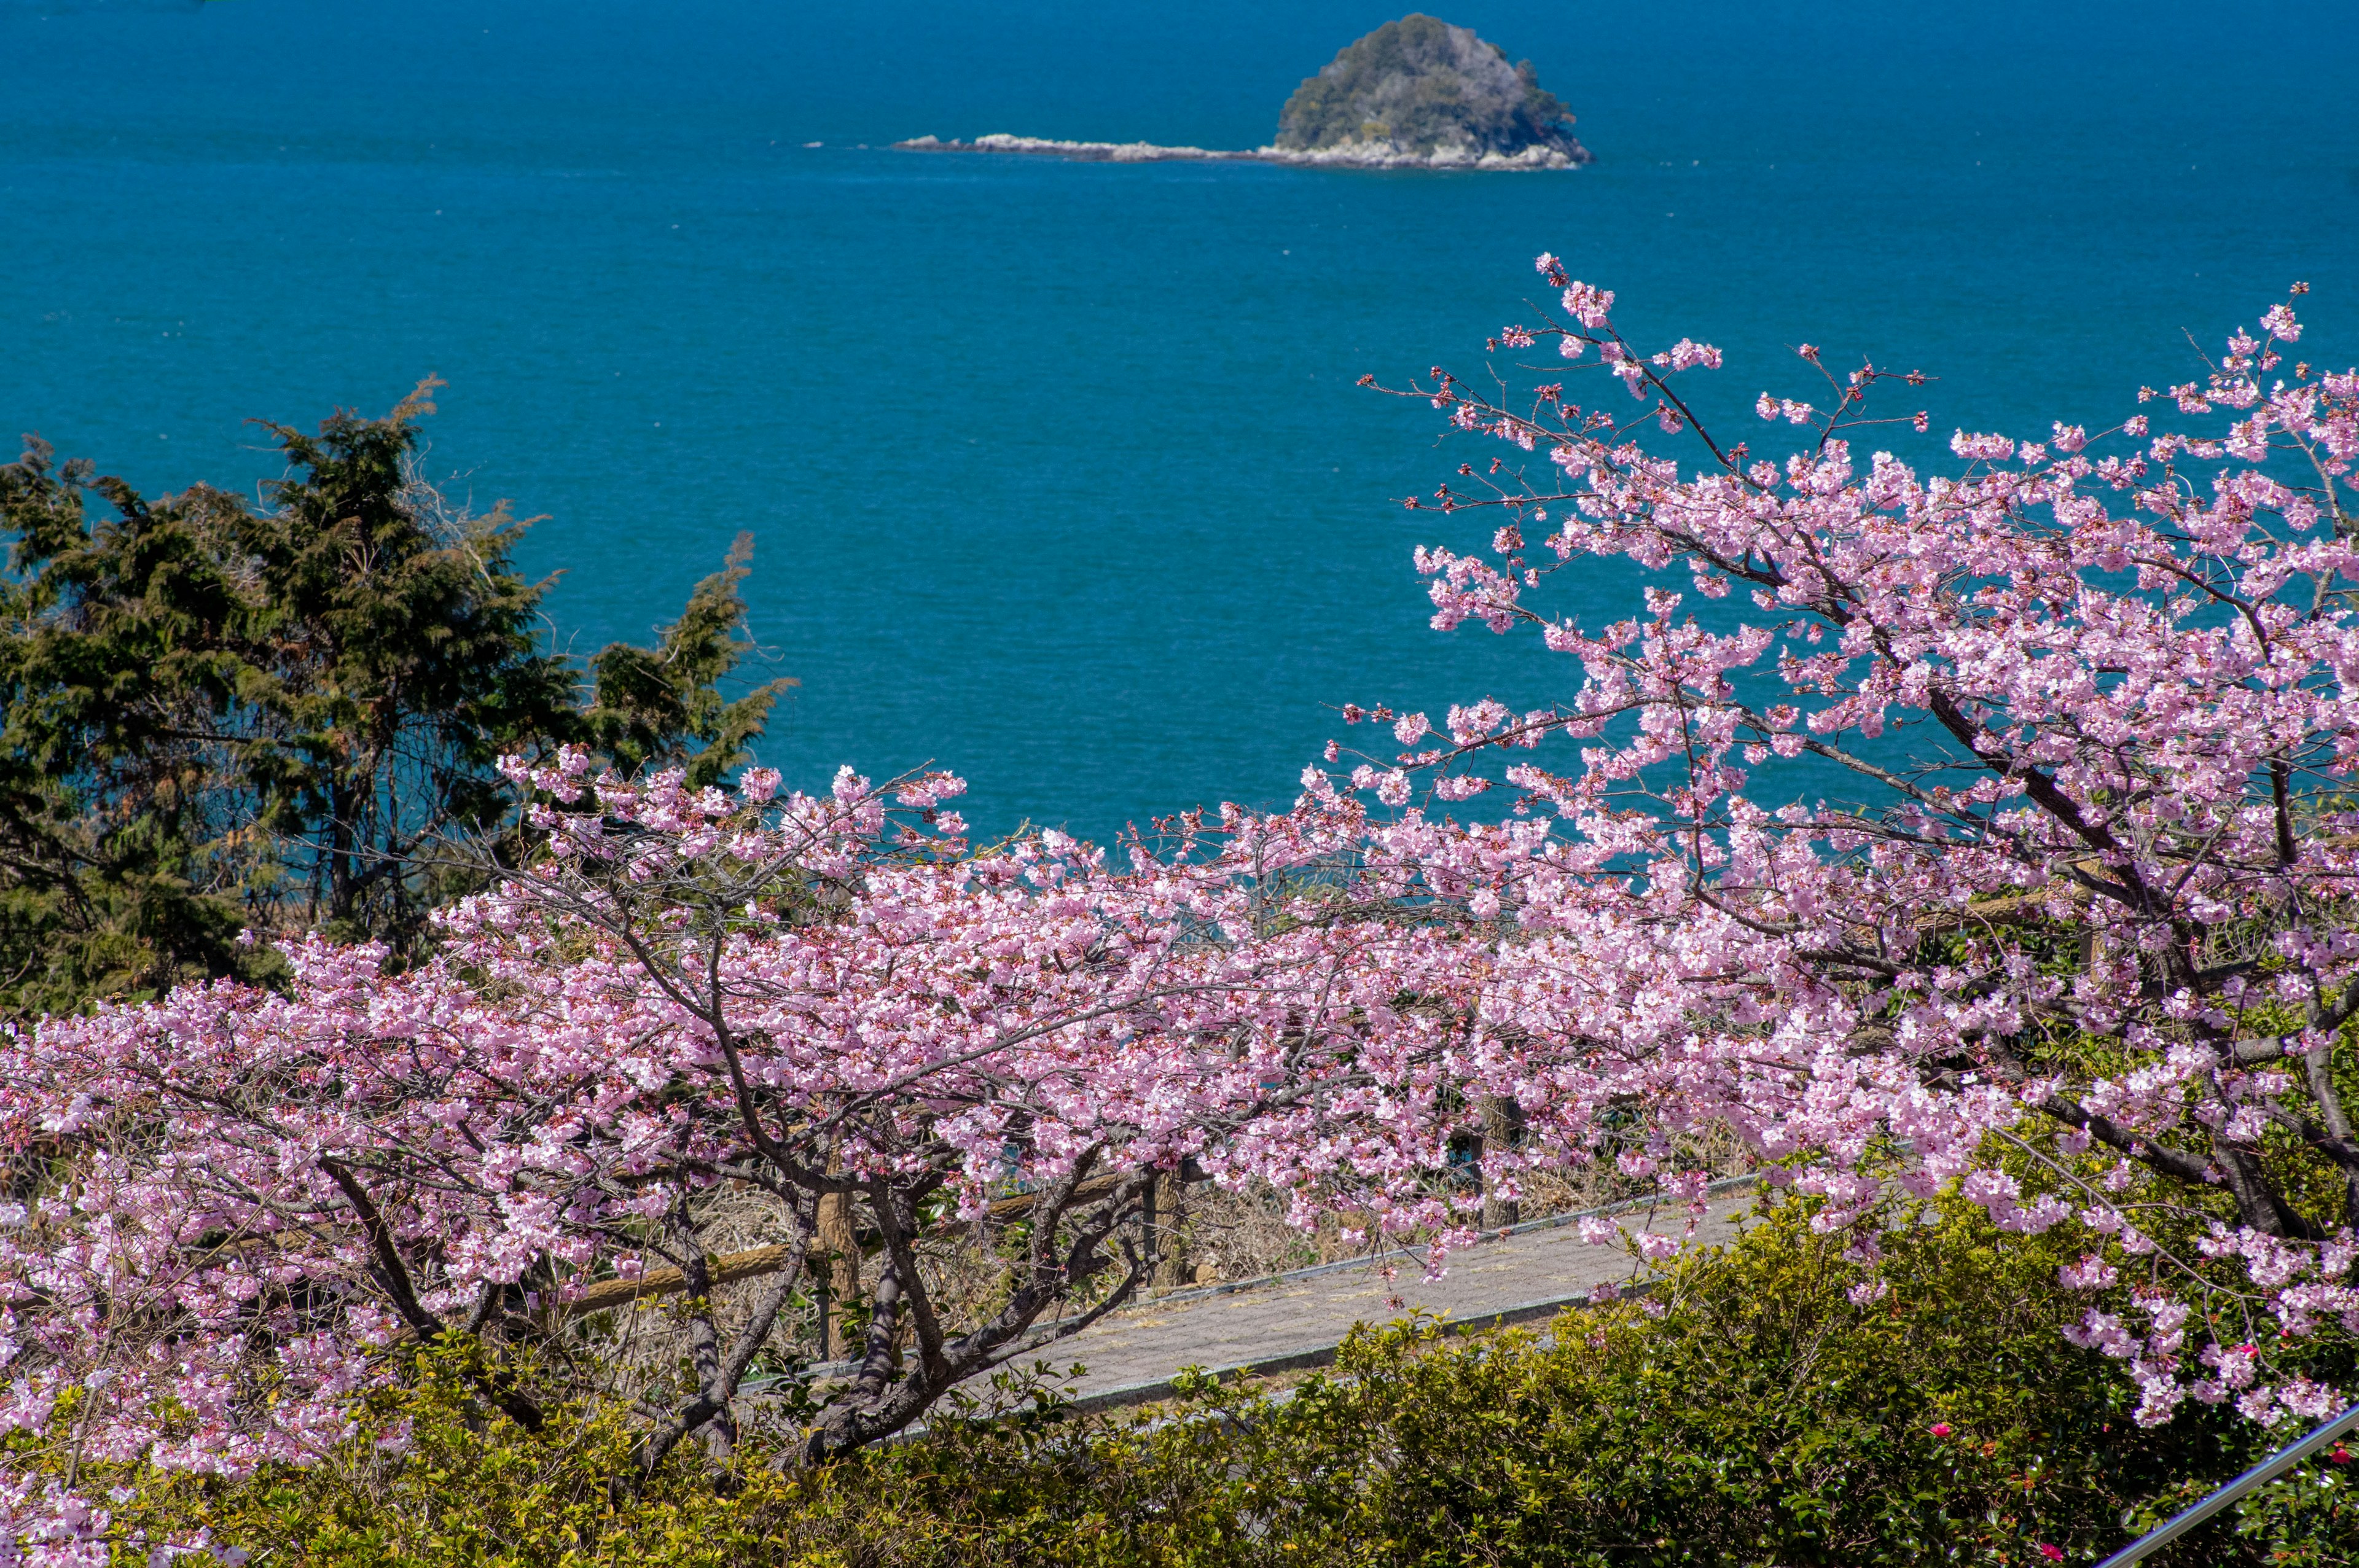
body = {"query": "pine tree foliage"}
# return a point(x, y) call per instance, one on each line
point(221, 716)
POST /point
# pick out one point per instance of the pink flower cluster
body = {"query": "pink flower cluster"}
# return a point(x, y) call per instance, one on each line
point(2095, 693)
point(800, 993)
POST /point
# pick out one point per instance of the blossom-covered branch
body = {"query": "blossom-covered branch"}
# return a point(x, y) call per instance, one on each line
point(2091, 888)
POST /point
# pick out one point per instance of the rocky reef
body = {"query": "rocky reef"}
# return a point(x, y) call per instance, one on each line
point(1416, 93)
point(1082, 152)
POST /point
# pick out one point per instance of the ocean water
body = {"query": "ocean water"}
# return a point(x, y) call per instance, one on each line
point(1059, 473)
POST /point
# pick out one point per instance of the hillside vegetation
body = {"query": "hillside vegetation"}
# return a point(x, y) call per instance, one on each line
point(1420, 86)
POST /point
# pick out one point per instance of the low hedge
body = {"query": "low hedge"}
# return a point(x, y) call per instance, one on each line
point(1749, 1412)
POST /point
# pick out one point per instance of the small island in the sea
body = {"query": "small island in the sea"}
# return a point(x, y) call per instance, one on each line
point(1416, 93)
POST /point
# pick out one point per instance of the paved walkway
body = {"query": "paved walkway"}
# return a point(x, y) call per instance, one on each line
point(1296, 1320)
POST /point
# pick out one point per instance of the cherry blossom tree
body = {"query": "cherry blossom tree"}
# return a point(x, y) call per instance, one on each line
point(1990, 827)
point(244, 1206)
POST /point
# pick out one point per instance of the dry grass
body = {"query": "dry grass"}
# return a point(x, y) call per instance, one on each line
point(1225, 1236)
point(1247, 1235)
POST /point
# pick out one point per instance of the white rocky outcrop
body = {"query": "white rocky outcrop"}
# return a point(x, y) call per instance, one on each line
point(1345, 154)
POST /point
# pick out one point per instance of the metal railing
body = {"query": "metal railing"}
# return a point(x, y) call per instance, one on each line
point(2260, 1474)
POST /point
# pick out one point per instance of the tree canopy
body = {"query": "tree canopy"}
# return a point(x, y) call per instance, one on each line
point(217, 715)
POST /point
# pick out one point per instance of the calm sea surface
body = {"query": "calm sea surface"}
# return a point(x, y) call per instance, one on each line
point(1058, 474)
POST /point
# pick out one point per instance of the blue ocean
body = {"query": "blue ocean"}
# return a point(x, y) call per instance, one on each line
point(1059, 473)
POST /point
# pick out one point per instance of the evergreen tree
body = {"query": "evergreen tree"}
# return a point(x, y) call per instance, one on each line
point(215, 716)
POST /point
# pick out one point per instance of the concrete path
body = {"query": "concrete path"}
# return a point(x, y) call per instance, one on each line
point(1295, 1321)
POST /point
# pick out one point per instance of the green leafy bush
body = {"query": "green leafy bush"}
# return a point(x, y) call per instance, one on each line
point(434, 1477)
point(1762, 1418)
point(1753, 1414)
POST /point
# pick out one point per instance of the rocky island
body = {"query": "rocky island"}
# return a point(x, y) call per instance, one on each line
point(1416, 93)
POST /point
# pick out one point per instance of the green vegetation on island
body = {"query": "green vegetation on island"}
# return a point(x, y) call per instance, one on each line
point(1419, 88)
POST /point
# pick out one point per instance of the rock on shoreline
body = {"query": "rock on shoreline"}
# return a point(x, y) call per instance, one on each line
point(1342, 154)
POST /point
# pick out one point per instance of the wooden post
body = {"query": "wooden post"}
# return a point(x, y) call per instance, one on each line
point(1149, 1232)
point(1167, 1211)
point(842, 1243)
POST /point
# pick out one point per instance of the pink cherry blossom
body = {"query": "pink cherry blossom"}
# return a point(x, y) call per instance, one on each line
point(2097, 690)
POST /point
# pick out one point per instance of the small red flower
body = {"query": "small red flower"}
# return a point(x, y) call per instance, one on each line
point(1940, 1429)
point(2053, 1554)
point(2340, 1456)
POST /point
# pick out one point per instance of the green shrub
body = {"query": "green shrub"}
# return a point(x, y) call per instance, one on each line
point(436, 1477)
point(1753, 1415)
point(1763, 1418)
